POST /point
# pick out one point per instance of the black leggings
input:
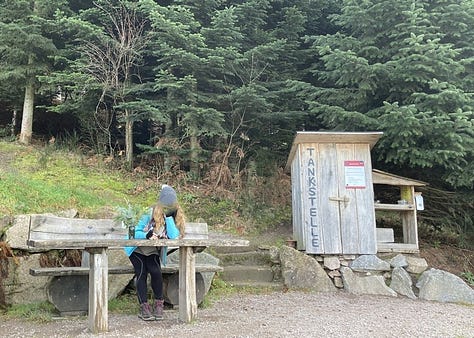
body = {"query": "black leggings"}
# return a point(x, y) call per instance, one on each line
point(143, 266)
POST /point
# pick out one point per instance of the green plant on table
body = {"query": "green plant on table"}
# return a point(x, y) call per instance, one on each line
point(129, 216)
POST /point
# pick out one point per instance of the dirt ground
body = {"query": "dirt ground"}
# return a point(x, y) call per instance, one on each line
point(280, 314)
point(448, 258)
point(291, 314)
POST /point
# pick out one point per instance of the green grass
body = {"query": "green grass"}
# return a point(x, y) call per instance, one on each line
point(39, 181)
point(126, 303)
point(45, 311)
point(46, 179)
point(469, 277)
point(37, 312)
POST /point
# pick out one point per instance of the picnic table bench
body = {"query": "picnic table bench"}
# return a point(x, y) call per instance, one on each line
point(96, 237)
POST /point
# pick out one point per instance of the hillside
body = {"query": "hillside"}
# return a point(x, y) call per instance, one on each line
point(40, 179)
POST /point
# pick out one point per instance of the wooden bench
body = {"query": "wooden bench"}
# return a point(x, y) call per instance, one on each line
point(67, 290)
point(96, 237)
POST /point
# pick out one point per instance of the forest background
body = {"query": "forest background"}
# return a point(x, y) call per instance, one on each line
point(208, 95)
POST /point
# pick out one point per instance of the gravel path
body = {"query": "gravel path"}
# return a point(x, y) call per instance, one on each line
point(290, 314)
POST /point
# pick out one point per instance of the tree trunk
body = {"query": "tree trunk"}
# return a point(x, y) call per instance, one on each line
point(168, 127)
point(128, 140)
point(194, 155)
point(195, 146)
point(27, 118)
point(15, 113)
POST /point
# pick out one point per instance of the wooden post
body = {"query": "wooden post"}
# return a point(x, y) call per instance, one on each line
point(409, 222)
point(98, 290)
point(407, 194)
point(187, 284)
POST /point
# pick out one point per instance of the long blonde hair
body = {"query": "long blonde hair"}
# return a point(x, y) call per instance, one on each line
point(179, 219)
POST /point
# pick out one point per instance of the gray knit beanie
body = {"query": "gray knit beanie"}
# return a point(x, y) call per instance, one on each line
point(168, 196)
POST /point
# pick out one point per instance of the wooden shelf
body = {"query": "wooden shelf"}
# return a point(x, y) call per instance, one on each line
point(407, 214)
point(399, 207)
point(397, 247)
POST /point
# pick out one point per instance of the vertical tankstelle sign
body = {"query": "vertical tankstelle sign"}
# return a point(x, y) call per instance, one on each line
point(332, 192)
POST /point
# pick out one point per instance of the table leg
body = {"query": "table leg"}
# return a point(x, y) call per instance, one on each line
point(98, 290)
point(187, 284)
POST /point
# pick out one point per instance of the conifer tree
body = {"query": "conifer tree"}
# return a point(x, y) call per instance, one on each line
point(103, 77)
point(184, 75)
point(392, 68)
point(27, 45)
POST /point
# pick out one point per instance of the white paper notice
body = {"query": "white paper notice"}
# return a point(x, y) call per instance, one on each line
point(419, 202)
point(354, 172)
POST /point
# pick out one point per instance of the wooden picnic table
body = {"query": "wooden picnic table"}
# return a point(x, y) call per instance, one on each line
point(98, 276)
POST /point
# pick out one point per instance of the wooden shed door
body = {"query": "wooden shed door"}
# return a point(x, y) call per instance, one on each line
point(344, 219)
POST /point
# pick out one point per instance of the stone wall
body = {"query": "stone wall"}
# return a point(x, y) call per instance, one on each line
point(391, 275)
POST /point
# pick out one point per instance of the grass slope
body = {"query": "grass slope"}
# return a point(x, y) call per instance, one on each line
point(42, 179)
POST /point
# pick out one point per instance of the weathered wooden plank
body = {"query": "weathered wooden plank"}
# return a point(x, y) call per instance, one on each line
point(53, 227)
point(395, 207)
point(120, 243)
point(311, 196)
point(385, 235)
point(115, 270)
point(303, 137)
point(330, 207)
point(299, 228)
point(45, 226)
point(348, 203)
point(64, 271)
point(195, 231)
point(397, 247)
point(381, 177)
point(98, 291)
point(365, 205)
point(187, 285)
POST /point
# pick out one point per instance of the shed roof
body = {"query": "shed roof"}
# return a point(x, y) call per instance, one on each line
point(332, 137)
point(382, 177)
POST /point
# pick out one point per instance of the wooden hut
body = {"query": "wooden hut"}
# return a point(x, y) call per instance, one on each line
point(333, 197)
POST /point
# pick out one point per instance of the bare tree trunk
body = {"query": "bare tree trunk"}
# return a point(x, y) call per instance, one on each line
point(194, 154)
point(128, 139)
point(194, 141)
point(112, 63)
point(168, 127)
point(27, 118)
point(230, 145)
point(15, 113)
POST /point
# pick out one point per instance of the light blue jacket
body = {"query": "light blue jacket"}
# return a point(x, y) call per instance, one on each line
point(139, 231)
